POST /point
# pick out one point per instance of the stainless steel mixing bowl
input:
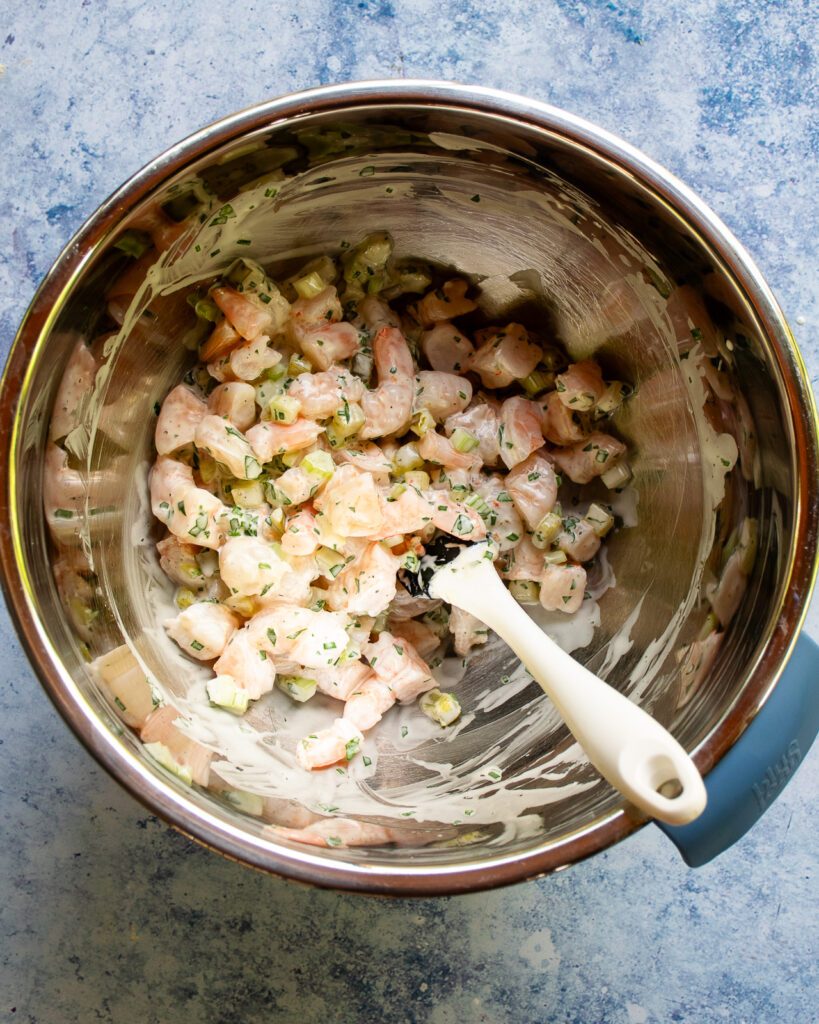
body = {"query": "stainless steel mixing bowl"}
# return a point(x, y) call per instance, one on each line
point(560, 223)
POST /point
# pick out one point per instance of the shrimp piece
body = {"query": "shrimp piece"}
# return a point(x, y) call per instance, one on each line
point(236, 402)
point(388, 408)
point(320, 394)
point(578, 539)
point(368, 457)
point(410, 512)
point(329, 343)
point(519, 433)
point(396, 663)
point(124, 681)
point(76, 385)
point(222, 340)
point(418, 634)
point(533, 487)
point(376, 314)
point(581, 386)
point(165, 741)
point(467, 630)
point(562, 588)
point(524, 563)
point(504, 356)
point(482, 421)
point(349, 503)
point(271, 439)
point(455, 518)
point(447, 348)
point(445, 303)
point(405, 606)
point(294, 587)
point(366, 705)
point(180, 415)
point(190, 512)
point(295, 486)
point(434, 447)
point(312, 639)
point(559, 423)
point(341, 680)
point(250, 567)
point(251, 668)
point(246, 313)
point(329, 746)
point(250, 360)
point(203, 629)
point(444, 394)
point(178, 561)
point(228, 446)
point(299, 537)
point(323, 308)
point(367, 585)
point(589, 458)
point(503, 524)
point(331, 832)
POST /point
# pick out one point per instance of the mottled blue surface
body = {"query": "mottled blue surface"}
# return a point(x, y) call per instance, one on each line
point(108, 916)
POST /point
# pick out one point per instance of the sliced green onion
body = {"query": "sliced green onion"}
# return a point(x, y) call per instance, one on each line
point(300, 688)
point(442, 708)
point(547, 530)
point(525, 591)
point(224, 693)
point(463, 441)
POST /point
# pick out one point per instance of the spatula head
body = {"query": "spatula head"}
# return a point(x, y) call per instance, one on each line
point(442, 550)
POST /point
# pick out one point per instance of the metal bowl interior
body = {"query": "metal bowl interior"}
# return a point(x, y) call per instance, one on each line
point(561, 227)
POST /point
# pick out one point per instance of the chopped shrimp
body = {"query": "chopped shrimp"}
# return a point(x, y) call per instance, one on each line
point(76, 385)
point(504, 356)
point(329, 343)
point(418, 634)
point(533, 487)
point(203, 629)
point(294, 587)
point(519, 433)
point(562, 588)
point(581, 386)
point(313, 639)
point(396, 662)
point(159, 731)
point(178, 561)
point(467, 630)
point(376, 314)
point(525, 562)
point(271, 439)
point(559, 423)
point(482, 421)
point(405, 606)
point(321, 394)
point(251, 668)
point(387, 409)
point(447, 348)
point(434, 447)
point(250, 567)
point(228, 446)
point(247, 313)
point(368, 457)
point(349, 503)
point(300, 534)
point(124, 681)
point(410, 512)
point(329, 746)
point(503, 524)
point(236, 402)
point(222, 340)
point(366, 705)
point(444, 394)
point(341, 680)
point(367, 585)
point(250, 360)
point(578, 539)
point(190, 512)
point(324, 308)
point(338, 832)
point(180, 415)
point(588, 458)
point(295, 486)
point(445, 303)
point(456, 518)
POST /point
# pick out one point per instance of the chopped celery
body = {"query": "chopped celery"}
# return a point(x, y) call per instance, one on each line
point(417, 478)
point(300, 688)
point(133, 243)
point(348, 419)
point(319, 464)
point(600, 518)
point(282, 409)
point(160, 753)
point(537, 382)
point(365, 265)
point(184, 598)
point(442, 708)
point(463, 441)
point(330, 563)
point(613, 397)
point(525, 591)
point(555, 557)
point(617, 475)
point(247, 493)
point(309, 286)
point(298, 365)
point(547, 530)
point(422, 422)
point(406, 459)
point(476, 502)
point(224, 693)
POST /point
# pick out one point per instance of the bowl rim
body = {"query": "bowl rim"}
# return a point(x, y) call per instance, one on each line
point(164, 798)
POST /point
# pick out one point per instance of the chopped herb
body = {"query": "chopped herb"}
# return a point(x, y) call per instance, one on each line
point(367, 761)
point(271, 636)
point(398, 650)
point(404, 731)
point(351, 749)
point(243, 241)
point(64, 513)
point(475, 199)
point(197, 646)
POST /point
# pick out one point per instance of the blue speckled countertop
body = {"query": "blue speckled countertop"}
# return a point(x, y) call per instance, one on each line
point(109, 916)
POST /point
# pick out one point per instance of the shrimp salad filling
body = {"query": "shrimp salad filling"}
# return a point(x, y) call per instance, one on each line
point(336, 423)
